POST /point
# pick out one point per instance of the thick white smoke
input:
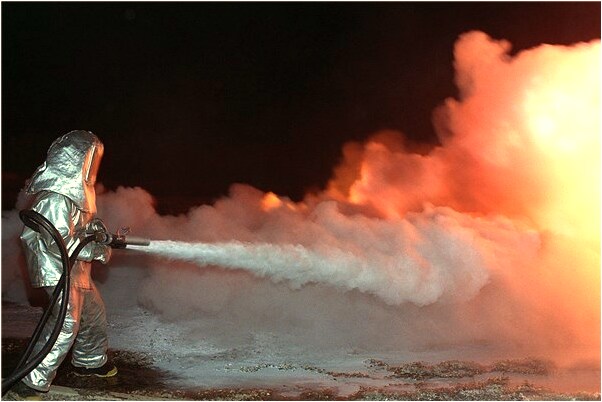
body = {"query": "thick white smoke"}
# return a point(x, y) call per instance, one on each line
point(482, 241)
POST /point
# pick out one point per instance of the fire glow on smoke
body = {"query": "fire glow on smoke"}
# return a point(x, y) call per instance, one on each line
point(491, 237)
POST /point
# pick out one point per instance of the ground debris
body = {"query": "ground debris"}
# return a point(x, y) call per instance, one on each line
point(256, 367)
point(446, 369)
point(375, 363)
point(523, 366)
point(459, 369)
point(231, 394)
point(325, 394)
point(493, 389)
point(342, 374)
point(314, 369)
point(139, 379)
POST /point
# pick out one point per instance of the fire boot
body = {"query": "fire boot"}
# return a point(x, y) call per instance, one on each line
point(105, 371)
point(27, 393)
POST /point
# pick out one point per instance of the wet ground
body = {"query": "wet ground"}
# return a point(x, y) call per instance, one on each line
point(139, 379)
point(156, 364)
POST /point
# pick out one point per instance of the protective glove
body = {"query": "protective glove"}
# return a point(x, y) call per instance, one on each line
point(96, 225)
point(100, 252)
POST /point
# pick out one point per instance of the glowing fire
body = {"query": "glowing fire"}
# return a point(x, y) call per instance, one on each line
point(563, 120)
point(523, 142)
point(270, 201)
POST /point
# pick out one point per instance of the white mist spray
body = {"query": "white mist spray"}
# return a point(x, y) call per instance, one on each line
point(418, 260)
point(394, 279)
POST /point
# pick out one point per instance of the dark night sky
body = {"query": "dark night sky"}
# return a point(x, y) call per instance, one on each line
point(192, 97)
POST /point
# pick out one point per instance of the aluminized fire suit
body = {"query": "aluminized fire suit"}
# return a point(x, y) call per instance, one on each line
point(63, 191)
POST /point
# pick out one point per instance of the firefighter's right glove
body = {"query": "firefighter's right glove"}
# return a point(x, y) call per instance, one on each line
point(100, 252)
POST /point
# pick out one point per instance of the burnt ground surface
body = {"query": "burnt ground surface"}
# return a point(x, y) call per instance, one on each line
point(138, 379)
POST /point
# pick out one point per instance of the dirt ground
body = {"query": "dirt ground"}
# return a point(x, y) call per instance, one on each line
point(450, 380)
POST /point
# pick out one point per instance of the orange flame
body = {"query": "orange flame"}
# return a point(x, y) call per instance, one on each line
point(525, 143)
point(270, 201)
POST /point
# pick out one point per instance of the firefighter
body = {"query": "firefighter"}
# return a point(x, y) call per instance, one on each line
point(62, 190)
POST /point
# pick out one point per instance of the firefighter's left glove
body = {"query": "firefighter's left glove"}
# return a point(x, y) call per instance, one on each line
point(100, 252)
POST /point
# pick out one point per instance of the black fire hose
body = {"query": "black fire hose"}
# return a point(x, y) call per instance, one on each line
point(37, 222)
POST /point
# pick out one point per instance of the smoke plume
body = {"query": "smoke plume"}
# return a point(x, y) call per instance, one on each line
point(491, 238)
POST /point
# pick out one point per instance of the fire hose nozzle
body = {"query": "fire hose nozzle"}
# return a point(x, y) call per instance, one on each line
point(136, 241)
point(120, 240)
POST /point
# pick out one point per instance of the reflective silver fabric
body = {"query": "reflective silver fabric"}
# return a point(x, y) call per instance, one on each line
point(63, 189)
point(64, 193)
point(70, 169)
point(42, 253)
point(89, 340)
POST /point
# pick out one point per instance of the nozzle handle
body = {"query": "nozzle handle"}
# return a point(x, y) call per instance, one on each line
point(119, 241)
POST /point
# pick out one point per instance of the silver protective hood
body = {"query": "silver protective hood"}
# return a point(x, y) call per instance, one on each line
point(70, 169)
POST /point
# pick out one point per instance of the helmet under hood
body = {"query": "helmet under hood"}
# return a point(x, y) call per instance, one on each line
point(70, 169)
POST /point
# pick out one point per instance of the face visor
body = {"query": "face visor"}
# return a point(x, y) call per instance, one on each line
point(92, 163)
